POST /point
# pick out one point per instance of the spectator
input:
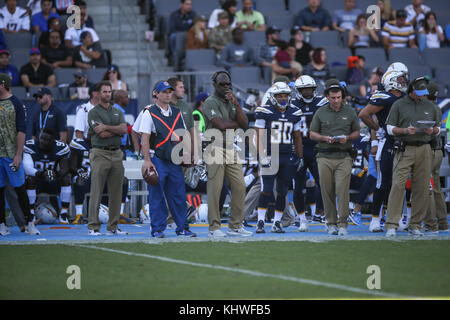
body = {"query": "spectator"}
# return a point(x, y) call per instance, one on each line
point(248, 19)
point(2, 40)
point(72, 37)
point(236, 54)
point(57, 55)
point(229, 6)
point(197, 114)
point(13, 18)
point(267, 51)
point(303, 49)
point(355, 71)
point(62, 5)
point(53, 24)
point(9, 69)
point(180, 21)
point(386, 11)
point(114, 77)
point(81, 119)
point(85, 18)
point(313, 17)
point(416, 12)
point(359, 37)
point(35, 73)
point(89, 53)
point(345, 19)
point(49, 116)
point(371, 85)
point(39, 21)
point(284, 63)
point(318, 69)
point(196, 37)
point(430, 35)
point(81, 81)
point(398, 33)
point(34, 6)
point(220, 36)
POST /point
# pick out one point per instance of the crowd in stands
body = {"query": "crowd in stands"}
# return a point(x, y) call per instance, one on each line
point(53, 44)
point(412, 25)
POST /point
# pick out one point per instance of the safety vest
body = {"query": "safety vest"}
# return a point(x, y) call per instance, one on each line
point(201, 125)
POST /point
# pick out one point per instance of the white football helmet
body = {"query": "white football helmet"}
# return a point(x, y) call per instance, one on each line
point(103, 214)
point(46, 214)
point(306, 82)
point(144, 214)
point(278, 88)
point(391, 82)
point(202, 214)
point(398, 67)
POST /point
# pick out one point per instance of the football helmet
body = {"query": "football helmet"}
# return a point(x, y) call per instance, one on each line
point(144, 214)
point(391, 81)
point(306, 82)
point(202, 213)
point(398, 67)
point(279, 88)
point(46, 214)
point(103, 214)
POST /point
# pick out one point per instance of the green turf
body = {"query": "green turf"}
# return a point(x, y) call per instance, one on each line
point(409, 268)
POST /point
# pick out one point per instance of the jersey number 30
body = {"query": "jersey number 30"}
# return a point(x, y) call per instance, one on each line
point(281, 132)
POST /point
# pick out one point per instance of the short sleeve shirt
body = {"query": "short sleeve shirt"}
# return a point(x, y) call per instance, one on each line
point(254, 18)
point(17, 21)
point(53, 118)
point(215, 107)
point(39, 20)
point(111, 117)
point(39, 76)
point(73, 35)
point(81, 118)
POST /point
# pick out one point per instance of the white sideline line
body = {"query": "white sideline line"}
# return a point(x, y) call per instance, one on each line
point(250, 272)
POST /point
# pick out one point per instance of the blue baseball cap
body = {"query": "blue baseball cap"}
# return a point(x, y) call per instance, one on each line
point(163, 86)
point(35, 51)
point(41, 92)
point(202, 96)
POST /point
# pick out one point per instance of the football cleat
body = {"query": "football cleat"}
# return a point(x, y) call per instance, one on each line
point(260, 227)
point(276, 228)
point(4, 230)
point(94, 233)
point(63, 218)
point(303, 226)
point(355, 218)
point(320, 219)
point(375, 225)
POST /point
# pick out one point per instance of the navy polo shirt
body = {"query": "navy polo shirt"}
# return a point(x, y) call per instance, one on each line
point(181, 22)
point(319, 19)
point(53, 118)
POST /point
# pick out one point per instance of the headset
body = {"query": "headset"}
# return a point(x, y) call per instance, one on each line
point(411, 84)
point(215, 75)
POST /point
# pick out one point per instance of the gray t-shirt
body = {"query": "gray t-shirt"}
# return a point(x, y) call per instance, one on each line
point(346, 19)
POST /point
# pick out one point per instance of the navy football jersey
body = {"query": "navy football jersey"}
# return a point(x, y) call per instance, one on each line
point(362, 147)
point(308, 111)
point(46, 161)
point(80, 148)
point(279, 125)
point(386, 100)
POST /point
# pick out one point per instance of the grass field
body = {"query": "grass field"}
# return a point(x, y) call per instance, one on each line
point(207, 270)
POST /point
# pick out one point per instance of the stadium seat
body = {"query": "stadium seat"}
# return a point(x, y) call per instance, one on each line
point(296, 5)
point(163, 10)
point(333, 5)
point(19, 40)
point(436, 57)
point(283, 20)
point(409, 56)
point(179, 51)
point(416, 71)
point(285, 35)
point(374, 56)
point(54, 90)
point(205, 7)
point(340, 72)
point(353, 90)
point(245, 76)
point(442, 75)
point(196, 58)
point(400, 4)
point(267, 7)
point(338, 56)
point(19, 57)
point(438, 6)
point(65, 75)
point(20, 92)
point(96, 75)
point(443, 17)
point(325, 39)
point(254, 38)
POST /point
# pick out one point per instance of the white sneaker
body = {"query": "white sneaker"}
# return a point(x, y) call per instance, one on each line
point(31, 229)
point(402, 226)
point(116, 232)
point(332, 230)
point(390, 233)
point(63, 219)
point(342, 231)
point(4, 230)
point(304, 226)
point(415, 232)
point(172, 226)
point(217, 234)
point(375, 225)
point(94, 233)
point(239, 232)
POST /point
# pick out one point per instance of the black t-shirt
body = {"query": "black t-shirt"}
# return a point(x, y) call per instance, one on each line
point(39, 76)
point(78, 55)
point(302, 55)
point(53, 55)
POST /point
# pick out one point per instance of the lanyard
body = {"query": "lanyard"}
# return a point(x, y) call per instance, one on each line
point(45, 119)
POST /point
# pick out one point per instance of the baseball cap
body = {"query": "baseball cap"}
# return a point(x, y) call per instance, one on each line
point(223, 15)
point(202, 96)
point(200, 18)
point(41, 92)
point(113, 67)
point(5, 79)
point(163, 86)
point(333, 83)
point(272, 29)
point(80, 73)
point(294, 30)
point(35, 51)
point(281, 79)
point(420, 86)
point(433, 89)
point(401, 14)
point(4, 51)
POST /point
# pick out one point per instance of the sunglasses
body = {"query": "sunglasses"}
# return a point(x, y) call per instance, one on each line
point(223, 84)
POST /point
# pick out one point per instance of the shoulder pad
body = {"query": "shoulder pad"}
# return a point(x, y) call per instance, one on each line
point(322, 102)
point(263, 110)
point(380, 95)
point(62, 148)
point(77, 144)
point(297, 112)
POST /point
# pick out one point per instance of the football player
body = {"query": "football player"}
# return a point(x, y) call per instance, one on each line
point(47, 170)
point(308, 102)
point(395, 85)
point(281, 122)
point(81, 169)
